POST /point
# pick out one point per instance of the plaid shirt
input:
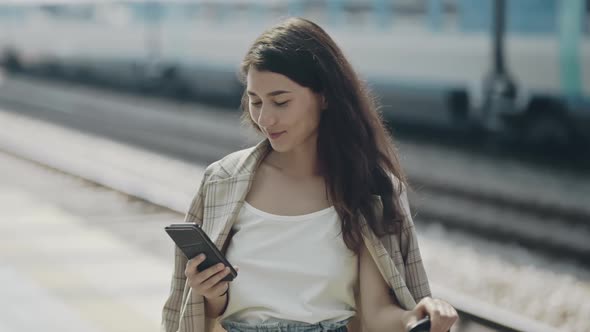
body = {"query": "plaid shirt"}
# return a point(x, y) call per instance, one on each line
point(216, 206)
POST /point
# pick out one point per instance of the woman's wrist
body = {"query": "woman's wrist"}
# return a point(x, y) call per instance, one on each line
point(226, 299)
point(216, 306)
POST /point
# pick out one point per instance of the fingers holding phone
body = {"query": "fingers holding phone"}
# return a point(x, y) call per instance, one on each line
point(208, 272)
point(208, 282)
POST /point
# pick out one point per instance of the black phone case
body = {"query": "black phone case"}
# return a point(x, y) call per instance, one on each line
point(423, 325)
point(192, 241)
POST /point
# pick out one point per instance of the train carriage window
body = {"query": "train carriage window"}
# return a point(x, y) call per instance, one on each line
point(148, 12)
point(11, 13)
point(525, 17)
point(174, 12)
point(70, 12)
point(113, 14)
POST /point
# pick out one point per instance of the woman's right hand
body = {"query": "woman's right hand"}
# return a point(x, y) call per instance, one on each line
point(442, 314)
point(207, 282)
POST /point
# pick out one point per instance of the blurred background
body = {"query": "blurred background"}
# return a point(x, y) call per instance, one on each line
point(111, 109)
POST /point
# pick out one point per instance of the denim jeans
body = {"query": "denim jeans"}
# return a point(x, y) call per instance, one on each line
point(285, 326)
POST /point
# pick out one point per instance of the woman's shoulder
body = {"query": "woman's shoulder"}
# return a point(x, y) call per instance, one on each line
point(231, 165)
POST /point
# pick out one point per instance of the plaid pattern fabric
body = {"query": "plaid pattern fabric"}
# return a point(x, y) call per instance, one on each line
point(215, 207)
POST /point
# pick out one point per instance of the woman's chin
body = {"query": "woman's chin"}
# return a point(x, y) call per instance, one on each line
point(279, 146)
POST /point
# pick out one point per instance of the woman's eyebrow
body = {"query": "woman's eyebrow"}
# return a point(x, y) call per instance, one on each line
point(271, 94)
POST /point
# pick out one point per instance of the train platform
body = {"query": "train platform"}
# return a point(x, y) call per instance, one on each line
point(75, 256)
point(63, 269)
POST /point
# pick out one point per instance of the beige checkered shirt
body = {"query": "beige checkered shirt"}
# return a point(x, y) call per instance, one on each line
point(215, 207)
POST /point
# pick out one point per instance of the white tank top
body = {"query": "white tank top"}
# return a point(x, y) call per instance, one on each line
point(293, 268)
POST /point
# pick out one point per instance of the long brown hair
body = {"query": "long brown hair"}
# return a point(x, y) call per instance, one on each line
point(356, 153)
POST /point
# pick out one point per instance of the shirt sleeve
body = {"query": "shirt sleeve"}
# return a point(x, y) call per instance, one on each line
point(172, 306)
point(416, 278)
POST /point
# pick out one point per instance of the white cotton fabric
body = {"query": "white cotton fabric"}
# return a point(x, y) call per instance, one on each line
point(291, 268)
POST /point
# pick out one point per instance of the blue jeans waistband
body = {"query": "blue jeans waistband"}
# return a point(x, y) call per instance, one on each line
point(285, 326)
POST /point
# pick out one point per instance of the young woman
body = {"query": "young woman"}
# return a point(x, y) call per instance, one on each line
point(316, 215)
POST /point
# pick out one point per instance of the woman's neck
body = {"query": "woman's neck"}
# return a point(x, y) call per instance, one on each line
point(298, 163)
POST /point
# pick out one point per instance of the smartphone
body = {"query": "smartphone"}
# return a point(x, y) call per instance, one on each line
point(423, 325)
point(192, 241)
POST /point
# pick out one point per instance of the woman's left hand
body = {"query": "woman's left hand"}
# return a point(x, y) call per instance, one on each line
point(442, 315)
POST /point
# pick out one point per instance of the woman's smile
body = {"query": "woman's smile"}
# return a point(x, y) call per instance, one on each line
point(277, 135)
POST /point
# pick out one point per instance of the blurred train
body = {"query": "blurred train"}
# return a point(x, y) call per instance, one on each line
point(431, 62)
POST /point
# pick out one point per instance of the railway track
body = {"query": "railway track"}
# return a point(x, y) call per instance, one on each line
point(550, 229)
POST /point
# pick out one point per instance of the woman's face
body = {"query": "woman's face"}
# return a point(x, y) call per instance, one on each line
point(279, 105)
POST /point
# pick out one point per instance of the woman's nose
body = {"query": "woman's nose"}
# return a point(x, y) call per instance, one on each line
point(265, 118)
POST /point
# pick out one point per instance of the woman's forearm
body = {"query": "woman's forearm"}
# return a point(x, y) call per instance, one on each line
point(216, 307)
point(390, 318)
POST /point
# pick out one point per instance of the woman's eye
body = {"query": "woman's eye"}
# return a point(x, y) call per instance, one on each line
point(258, 104)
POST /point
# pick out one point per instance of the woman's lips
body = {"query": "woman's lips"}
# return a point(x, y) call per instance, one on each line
point(275, 136)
